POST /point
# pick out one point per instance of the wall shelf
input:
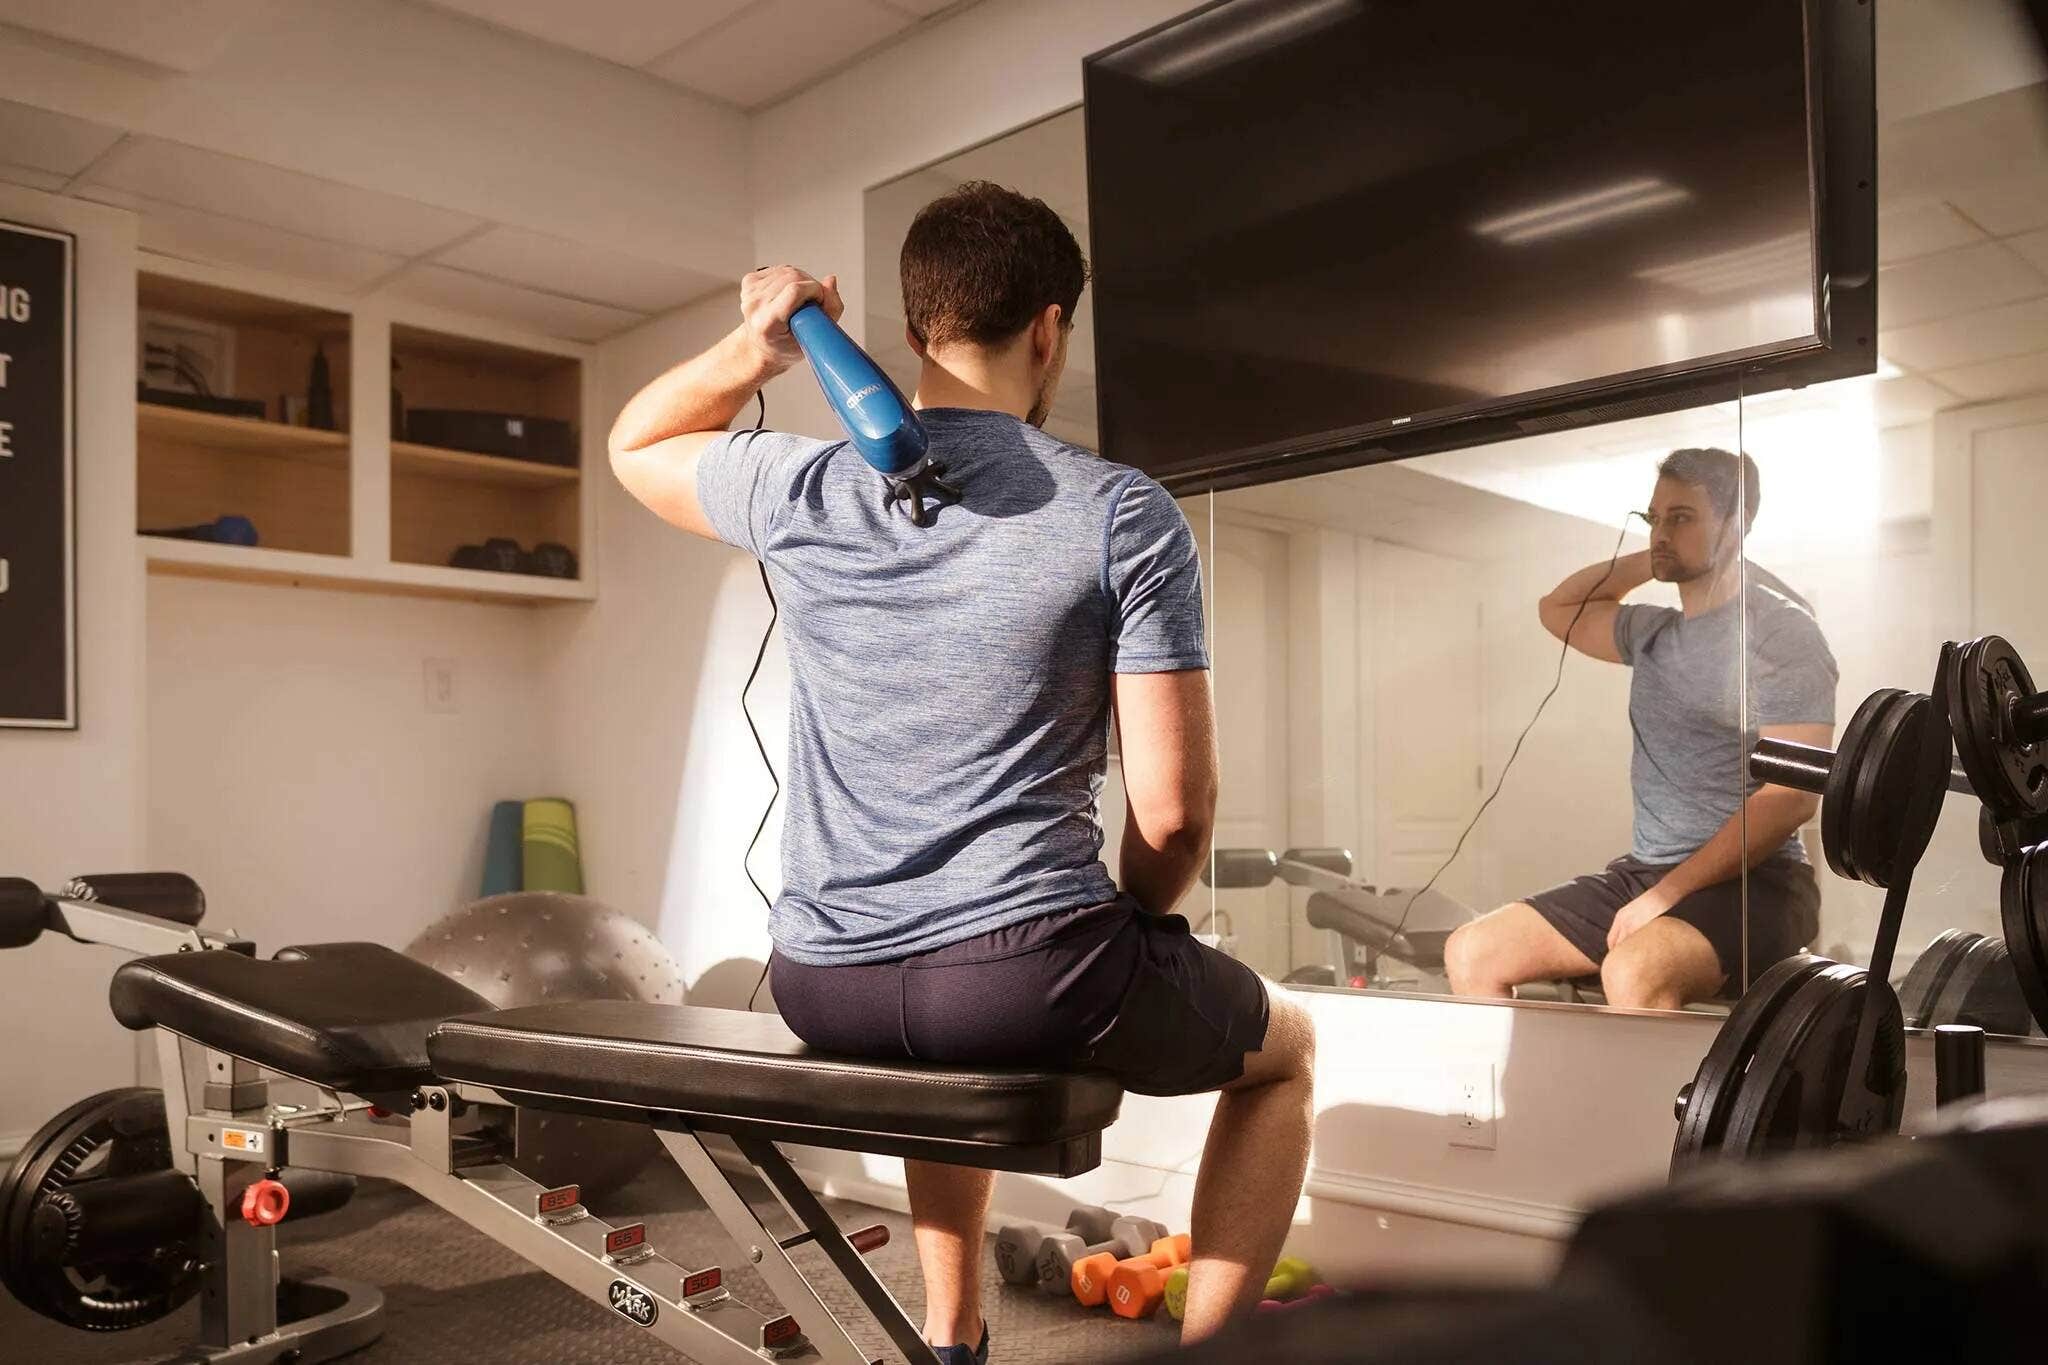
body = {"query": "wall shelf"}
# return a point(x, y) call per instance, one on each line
point(243, 435)
point(292, 568)
point(408, 457)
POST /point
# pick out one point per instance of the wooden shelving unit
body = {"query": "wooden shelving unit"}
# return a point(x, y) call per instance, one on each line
point(243, 435)
point(309, 492)
point(434, 462)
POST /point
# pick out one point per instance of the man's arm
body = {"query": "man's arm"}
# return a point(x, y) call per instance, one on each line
point(661, 432)
point(1167, 724)
point(1593, 595)
point(1772, 815)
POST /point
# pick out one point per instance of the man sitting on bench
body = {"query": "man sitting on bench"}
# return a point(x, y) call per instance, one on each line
point(951, 687)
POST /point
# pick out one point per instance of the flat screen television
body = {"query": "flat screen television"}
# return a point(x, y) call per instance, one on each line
point(1331, 232)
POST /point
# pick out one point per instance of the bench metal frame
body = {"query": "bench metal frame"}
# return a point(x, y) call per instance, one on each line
point(451, 1151)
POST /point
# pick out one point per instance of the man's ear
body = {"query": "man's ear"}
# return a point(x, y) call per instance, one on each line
point(911, 338)
point(1045, 335)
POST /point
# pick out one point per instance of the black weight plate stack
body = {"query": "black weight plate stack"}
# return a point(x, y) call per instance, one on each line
point(1705, 1105)
point(1930, 973)
point(1870, 789)
point(1983, 990)
point(1796, 1084)
point(2023, 907)
point(1987, 679)
point(114, 1134)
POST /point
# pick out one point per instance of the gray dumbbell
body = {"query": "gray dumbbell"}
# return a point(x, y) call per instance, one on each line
point(1091, 1222)
point(1058, 1253)
point(1017, 1253)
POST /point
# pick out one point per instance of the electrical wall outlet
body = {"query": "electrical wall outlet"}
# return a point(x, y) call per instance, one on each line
point(1473, 1116)
point(440, 682)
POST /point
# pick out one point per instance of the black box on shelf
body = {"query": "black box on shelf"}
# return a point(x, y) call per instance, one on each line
point(200, 402)
point(545, 440)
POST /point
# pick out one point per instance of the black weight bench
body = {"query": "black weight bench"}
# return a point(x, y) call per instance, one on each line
point(421, 1078)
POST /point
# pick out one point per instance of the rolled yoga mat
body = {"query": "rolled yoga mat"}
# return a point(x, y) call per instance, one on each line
point(504, 858)
point(552, 861)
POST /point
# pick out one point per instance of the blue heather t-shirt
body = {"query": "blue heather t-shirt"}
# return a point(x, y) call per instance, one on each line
point(950, 684)
point(1689, 753)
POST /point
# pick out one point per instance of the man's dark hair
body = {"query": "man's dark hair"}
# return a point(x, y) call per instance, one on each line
point(981, 262)
point(1721, 473)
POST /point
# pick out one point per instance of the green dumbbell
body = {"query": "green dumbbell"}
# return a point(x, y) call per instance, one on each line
point(1292, 1277)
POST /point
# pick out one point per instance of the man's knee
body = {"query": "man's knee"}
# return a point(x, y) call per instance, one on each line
point(1289, 1050)
point(1642, 980)
point(1472, 956)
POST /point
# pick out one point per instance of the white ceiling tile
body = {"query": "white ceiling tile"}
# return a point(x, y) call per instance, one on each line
point(632, 32)
point(580, 271)
point(51, 142)
point(2016, 329)
point(549, 314)
point(33, 178)
point(184, 35)
point(192, 235)
point(769, 50)
point(2011, 202)
point(173, 173)
point(2007, 378)
point(922, 9)
point(1908, 230)
point(1952, 282)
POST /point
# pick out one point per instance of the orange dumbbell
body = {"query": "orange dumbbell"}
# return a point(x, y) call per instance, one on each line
point(1135, 1286)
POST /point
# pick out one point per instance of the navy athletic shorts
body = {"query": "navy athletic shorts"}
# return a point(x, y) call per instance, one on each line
point(1107, 988)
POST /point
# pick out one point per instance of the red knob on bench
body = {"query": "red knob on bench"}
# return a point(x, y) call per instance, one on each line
point(869, 1240)
point(265, 1203)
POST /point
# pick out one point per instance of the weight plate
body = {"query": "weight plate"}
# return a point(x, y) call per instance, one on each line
point(2023, 909)
point(1987, 679)
point(1983, 991)
point(1706, 1103)
point(1836, 801)
point(1930, 973)
point(1793, 1095)
point(112, 1134)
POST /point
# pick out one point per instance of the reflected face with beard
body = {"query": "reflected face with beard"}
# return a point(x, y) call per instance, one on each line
point(1689, 538)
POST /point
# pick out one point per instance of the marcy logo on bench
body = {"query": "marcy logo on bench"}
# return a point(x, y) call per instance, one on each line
point(629, 1300)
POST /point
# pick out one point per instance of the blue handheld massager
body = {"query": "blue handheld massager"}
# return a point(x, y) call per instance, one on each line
point(878, 419)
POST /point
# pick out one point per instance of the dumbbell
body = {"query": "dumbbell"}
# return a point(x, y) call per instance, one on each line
point(1092, 1222)
point(1017, 1253)
point(1313, 1294)
point(1060, 1254)
point(1135, 1286)
point(1292, 1277)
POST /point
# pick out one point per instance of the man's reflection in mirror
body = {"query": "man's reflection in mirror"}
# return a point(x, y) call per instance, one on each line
point(1662, 925)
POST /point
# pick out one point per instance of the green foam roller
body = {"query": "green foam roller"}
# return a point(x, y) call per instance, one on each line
point(552, 860)
point(504, 858)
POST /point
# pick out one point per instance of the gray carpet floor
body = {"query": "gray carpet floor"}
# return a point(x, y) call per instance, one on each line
point(451, 1294)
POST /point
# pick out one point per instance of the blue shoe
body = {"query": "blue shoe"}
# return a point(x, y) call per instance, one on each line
point(960, 1355)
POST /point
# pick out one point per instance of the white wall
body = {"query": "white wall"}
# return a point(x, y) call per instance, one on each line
point(295, 769)
point(73, 802)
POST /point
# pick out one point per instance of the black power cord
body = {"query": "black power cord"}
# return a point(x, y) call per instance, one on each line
point(774, 779)
point(1555, 683)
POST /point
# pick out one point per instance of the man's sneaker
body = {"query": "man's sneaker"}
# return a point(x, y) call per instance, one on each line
point(960, 1355)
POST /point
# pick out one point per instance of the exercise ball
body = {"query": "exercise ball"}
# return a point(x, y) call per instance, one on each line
point(540, 947)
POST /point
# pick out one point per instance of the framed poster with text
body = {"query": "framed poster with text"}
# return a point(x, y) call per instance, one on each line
point(38, 570)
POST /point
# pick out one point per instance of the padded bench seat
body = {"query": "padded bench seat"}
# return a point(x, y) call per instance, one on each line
point(350, 1016)
point(746, 1074)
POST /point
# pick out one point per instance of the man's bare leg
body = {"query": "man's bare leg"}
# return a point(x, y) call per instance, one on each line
point(1252, 1172)
point(1665, 965)
point(949, 1211)
point(1499, 951)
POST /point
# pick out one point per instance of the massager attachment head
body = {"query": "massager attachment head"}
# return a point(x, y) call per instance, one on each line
point(878, 420)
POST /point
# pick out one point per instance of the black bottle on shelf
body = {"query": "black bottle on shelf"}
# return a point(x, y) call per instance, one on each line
point(320, 393)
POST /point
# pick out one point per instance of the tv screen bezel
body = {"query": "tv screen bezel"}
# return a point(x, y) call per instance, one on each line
point(1842, 159)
